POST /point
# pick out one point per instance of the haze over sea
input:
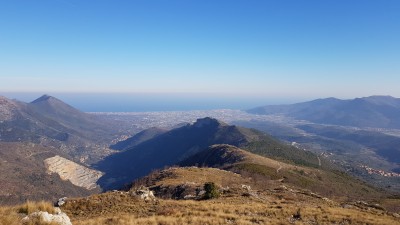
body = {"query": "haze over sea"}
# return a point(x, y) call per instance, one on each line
point(145, 102)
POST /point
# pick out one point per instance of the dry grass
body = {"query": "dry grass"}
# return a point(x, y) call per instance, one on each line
point(30, 207)
point(239, 206)
point(9, 216)
point(13, 215)
point(265, 207)
point(120, 208)
point(234, 211)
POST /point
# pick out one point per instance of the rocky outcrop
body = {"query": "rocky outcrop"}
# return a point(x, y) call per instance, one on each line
point(61, 201)
point(57, 218)
point(144, 193)
point(78, 175)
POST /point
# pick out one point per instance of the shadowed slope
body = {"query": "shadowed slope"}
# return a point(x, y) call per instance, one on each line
point(167, 149)
point(138, 138)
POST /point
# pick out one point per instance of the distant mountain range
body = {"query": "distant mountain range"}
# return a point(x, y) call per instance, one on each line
point(374, 111)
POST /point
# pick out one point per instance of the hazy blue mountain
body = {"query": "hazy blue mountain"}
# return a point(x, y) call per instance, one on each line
point(51, 122)
point(57, 110)
point(374, 111)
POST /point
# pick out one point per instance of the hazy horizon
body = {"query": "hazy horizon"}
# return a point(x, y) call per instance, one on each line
point(147, 102)
point(142, 102)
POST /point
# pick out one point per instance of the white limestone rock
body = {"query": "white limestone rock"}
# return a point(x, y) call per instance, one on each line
point(68, 170)
point(59, 218)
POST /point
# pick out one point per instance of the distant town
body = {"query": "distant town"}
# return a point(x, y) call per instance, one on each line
point(380, 172)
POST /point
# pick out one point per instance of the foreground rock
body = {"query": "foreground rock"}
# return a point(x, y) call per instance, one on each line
point(58, 218)
point(144, 193)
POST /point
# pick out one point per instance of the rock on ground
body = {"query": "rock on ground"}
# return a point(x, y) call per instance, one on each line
point(59, 218)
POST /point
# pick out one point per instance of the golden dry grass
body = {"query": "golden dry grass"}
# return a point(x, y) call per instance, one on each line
point(120, 208)
point(30, 207)
point(13, 215)
point(237, 206)
point(9, 216)
point(234, 211)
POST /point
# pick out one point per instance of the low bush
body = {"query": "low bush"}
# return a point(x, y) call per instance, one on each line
point(211, 190)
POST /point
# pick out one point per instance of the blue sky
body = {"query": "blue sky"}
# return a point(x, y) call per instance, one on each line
point(273, 49)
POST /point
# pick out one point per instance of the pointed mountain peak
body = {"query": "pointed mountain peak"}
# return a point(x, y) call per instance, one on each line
point(49, 104)
point(44, 98)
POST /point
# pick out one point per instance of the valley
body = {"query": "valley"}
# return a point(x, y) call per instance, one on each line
point(350, 155)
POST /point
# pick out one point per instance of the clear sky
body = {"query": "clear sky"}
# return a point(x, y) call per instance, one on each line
point(272, 49)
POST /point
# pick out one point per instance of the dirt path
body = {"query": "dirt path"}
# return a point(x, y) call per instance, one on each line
point(280, 167)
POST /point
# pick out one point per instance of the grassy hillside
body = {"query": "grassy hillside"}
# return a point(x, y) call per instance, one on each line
point(266, 172)
point(237, 204)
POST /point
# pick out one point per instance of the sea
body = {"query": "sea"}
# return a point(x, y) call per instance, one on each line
point(150, 102)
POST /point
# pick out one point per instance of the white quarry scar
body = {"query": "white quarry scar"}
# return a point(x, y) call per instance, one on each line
point(78, 175)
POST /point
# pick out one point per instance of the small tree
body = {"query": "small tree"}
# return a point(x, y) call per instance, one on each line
point(211, 190)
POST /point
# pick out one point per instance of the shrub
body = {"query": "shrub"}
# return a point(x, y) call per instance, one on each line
point(211, 190)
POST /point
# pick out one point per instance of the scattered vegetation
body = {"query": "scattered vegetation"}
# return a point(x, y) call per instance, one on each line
point(252, 168)
point(273, 149)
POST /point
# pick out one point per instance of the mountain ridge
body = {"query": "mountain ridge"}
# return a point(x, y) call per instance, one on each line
point(173, 146)
point(169, 148)
point(374, 111)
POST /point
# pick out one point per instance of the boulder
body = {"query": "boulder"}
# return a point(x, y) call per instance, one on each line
point(61, 201)
point(246, 187)
point(58, 218)
point(144, 193)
